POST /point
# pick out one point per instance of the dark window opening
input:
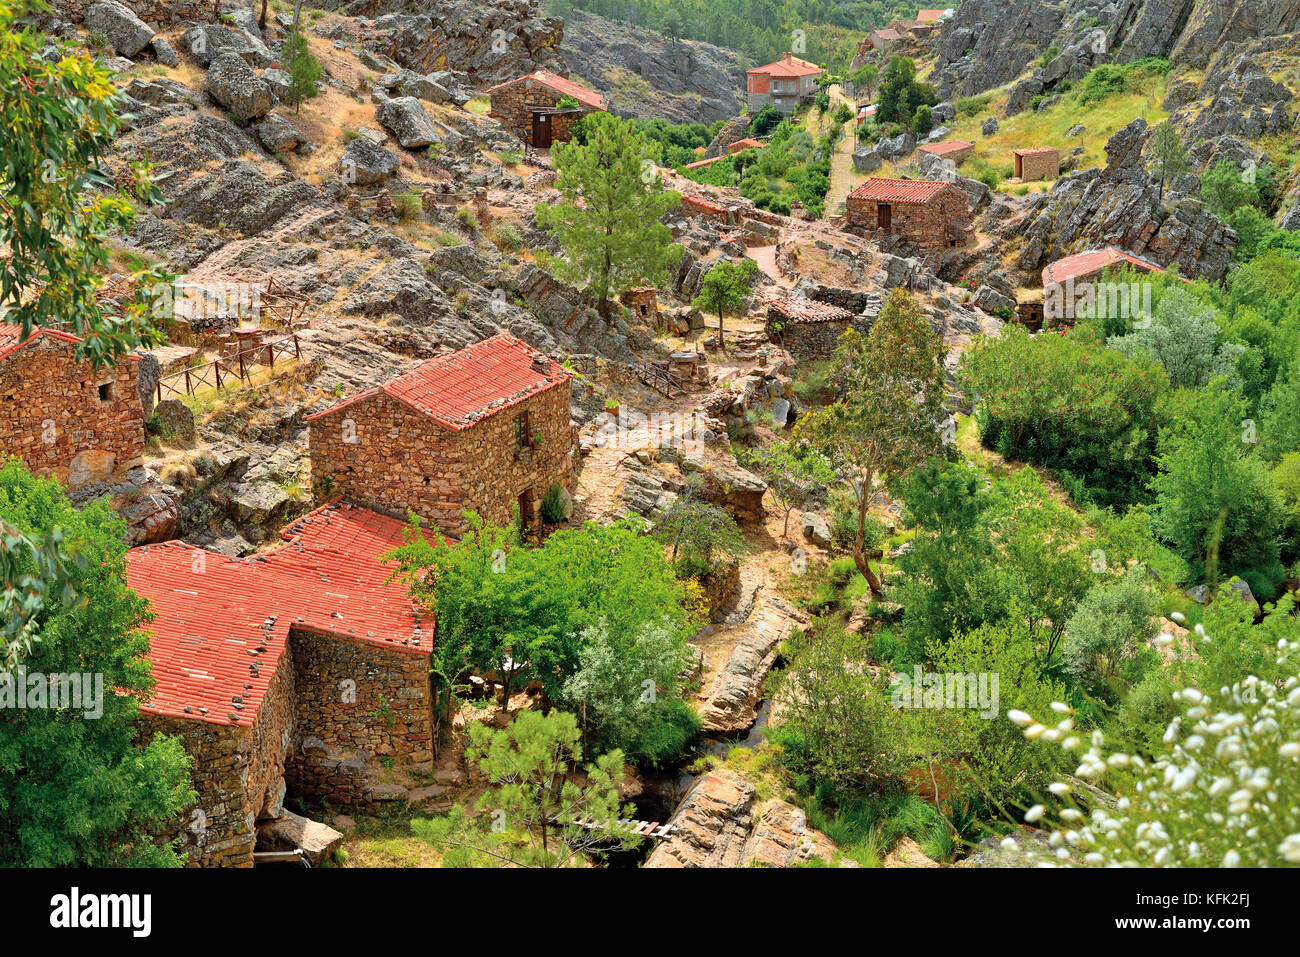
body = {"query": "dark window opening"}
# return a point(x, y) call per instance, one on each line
point(106, 392)
point(521, 430)
point(885, 215)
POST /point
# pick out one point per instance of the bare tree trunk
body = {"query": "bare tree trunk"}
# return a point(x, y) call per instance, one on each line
point(860, 543)
point(261, 21)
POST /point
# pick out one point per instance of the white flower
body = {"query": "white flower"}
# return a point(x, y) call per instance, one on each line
point(1019, 718)
point(1290, 848)
point(1060, 708)
point(1290, 750)
point(1034, 814)
point(1059, 787)
point(1232, 859)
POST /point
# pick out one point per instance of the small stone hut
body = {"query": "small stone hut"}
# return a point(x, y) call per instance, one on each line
point(1036, 162)
point(529, 106)
point(931, 215)
point(61, 416)
point(956, 151)
point(644, 301)
point(299, 668)
point(486, 428)
point(807, 329)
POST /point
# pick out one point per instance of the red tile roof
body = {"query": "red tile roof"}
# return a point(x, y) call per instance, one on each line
point(748, 143)
point(887, 34)
point(221, 623)
point(928, 15)
point(944, 147)
point(801, 309)
point(464, 387)
point(11, 338)
point(882, 190)
point(559, 84)
point(787, 66)
point(1082, 265)
point(699, 164)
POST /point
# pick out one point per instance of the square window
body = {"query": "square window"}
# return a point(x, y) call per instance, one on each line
point(105, 390)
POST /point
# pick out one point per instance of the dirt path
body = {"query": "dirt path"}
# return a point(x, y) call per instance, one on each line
point(842, 162)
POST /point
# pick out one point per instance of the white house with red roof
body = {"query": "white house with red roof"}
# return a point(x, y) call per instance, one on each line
point(486, 429)
point(532, 106)
point(784, 83)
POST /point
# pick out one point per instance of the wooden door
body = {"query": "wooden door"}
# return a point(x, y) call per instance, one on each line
point(884, 215)
point(541, 131)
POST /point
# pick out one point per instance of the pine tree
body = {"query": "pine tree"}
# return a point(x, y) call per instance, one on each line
point(724, 290)
point(609, 216)
point(305, 70)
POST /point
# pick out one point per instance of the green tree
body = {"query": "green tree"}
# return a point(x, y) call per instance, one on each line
point(1110, 627)
point(1184, 337)
point(1227, 188)
point(901, 94)
point(864, 81)
point(1170, 156)
point(792, 471)
point(1215, 504)
point(609, 216)
point(627, 692)
point(695, 531)
point(533, 811)
point(725, 288)
point(78, 787)
point(888, 415)
point(305, 70)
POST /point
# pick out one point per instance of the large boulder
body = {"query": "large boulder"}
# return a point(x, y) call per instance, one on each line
point(866, 160)
point(277, 134)
point(208, 41)
point(291, 832)
point(365, 162)
point(127, 33)
point(234, 84)
point(406, 119)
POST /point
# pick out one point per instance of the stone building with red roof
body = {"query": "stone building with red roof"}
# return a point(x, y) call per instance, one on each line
point(783, 83)
point(61, 416)
point(807, 329)
point(956, 151)
point(1036, 162)
point(298, 669)
point(930, 215)
point(486, 428)
point(529, 106)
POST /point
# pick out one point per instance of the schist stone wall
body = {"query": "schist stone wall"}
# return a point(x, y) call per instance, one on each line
point(381, 453)
point(355, 701)
point(151, 11)
point(514, 106)
point(238, 775)
point(933, 226)
point(1039, 164)
point(66, 420)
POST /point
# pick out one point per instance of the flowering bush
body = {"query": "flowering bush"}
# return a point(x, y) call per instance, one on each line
point(1224, 792)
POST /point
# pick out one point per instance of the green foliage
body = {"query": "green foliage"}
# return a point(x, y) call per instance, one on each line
point(554, 505)
point(608, 218)
point(1227, 188)
point(765, 120)
point(1071, 405)
point(1109, 79)
point(497, 602)
point(77, 789)
point(627, 690)
point(1184, 337)
point(1110, 627)
point(305, 71)
point(531, 812)
point(696, 532)
point(902, 95)
point(1171, 159)
point(791, 471)
point(888, 412)
point(1215, 503)
point(56, 202)
point(725, 288)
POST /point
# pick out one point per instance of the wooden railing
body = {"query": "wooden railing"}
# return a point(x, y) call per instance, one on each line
point(218, 373)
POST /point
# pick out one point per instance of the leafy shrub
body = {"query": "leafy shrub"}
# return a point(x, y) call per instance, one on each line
point(408, 206)
point(555, 505)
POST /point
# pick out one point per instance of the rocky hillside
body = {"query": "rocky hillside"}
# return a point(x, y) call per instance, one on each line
point(648, 75)
point(989, 43)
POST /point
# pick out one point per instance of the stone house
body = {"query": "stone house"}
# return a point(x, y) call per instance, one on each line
point(807, 329)
point(1087, 266)
point(931, 215)
point(1036, 162)
point(784, 83)
point(294, 670)
point(644, 301)
point(529, 106)
point(954, 151)
point(886, 39)
point(486, 428)
point(61, 416)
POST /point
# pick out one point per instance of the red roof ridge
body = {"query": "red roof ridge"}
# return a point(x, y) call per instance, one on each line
point(888, 190)
point(458, 389)
point(10, 341)
point(560, 84)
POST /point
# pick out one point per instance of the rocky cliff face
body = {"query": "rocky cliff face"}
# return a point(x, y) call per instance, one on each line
point(648, 75)
point(988, 43)
point(1117, 205)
